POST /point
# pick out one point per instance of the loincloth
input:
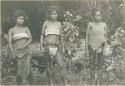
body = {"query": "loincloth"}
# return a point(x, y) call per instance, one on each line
point(51, 44)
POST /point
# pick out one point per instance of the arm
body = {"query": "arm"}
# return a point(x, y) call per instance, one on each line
point(86, 44)
point(30, 38)
point(61, 37)
point(10, 41)
point(106, 34)
point(106, 40)
point(42, 34)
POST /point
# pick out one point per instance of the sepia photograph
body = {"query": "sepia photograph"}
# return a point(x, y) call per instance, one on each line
point(62, 42)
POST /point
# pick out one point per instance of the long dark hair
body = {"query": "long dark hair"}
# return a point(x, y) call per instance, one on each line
point(94, 12)
point(18, 13)
point(50, 10)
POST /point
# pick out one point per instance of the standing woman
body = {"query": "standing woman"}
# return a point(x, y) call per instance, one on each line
point(52, 40)
point(96, 42)
point(19, 41)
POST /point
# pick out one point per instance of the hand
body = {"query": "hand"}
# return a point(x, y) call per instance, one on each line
point(13, 55)
point(41, 48)
point(63, 50)
point(107, 50)
point(87, 52)
point(99, 50)
point(21, 47)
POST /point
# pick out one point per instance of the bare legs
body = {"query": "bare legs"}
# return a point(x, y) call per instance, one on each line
point(59, 60)
point(96, 66)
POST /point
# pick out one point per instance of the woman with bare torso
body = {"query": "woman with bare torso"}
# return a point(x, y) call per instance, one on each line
point(96, 41)
point(51, 40)
point(19, 40)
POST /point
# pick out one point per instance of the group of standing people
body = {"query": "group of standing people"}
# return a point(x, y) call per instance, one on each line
point(51, 42)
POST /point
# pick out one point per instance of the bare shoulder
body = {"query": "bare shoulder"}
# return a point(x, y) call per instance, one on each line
point(59, 23)
point(103, 23)
point(90, 23)
point(26, 28)
point(45, 22)
point(11, 29)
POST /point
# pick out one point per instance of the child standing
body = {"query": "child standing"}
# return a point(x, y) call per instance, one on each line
point(96, 40)
point(51, 39)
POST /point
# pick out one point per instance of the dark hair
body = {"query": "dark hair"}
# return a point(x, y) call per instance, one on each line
point(96, 10)
point(94, 13)
point(51, 9)
point(18, 13)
